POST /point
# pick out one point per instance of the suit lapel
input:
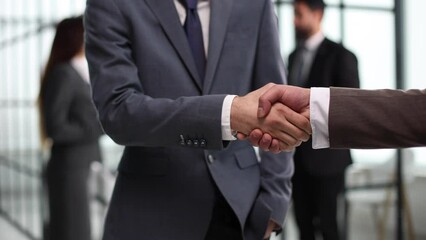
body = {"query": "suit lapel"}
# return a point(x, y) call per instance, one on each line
point(219, 15)
point(314, 77)
point(166, 13)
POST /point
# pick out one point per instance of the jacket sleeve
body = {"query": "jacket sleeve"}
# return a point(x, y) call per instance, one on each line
point(276, 169)
point(377, 118)
point(128, 115)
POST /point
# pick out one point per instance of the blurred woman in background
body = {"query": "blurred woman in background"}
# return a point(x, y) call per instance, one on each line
point(69, 121)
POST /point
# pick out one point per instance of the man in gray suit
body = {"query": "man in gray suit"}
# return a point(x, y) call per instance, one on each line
point(161, 73)
point(350, 118)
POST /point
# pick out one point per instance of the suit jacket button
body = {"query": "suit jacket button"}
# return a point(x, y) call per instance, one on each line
point(203, 143)
point(195, 142)
point(189, 143)
point(182, 140)
point(210, 159)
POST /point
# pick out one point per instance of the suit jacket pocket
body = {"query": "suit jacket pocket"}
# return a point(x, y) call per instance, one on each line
point(246, 157)
point(144, 161)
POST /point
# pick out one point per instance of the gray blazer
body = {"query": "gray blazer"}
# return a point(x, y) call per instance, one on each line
point(71, 121)
point(150, 98)
point(377, 118)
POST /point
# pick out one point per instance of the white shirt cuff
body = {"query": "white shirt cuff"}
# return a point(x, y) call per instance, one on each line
point(226, 118)
point(319, 107)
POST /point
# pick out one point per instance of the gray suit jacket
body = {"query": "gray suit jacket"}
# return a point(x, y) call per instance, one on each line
point(377, 118)
point(150, 98)
point(71, 122)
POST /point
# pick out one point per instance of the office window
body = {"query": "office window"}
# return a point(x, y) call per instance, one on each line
point(416, 54)
point(332, 24)
point(370, 3)
point(287, 37)
point(370, 35)
point(27, 29)
point(330, 2)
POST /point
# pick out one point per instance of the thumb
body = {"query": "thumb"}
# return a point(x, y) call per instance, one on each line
point(268, 98)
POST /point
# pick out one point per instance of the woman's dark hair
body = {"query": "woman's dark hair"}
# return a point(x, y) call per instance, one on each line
point(68, 42)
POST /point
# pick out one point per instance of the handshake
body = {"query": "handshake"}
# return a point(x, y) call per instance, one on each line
point(275, 117)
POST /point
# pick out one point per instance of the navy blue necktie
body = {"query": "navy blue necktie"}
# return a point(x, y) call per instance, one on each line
point(194, 33)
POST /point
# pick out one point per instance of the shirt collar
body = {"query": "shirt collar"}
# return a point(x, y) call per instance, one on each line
point(314, 41)
point(79, 63)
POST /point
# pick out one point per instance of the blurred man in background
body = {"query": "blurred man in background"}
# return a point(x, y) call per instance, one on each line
point(319, 174)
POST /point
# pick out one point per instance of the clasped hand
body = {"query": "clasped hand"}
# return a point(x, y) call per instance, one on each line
point(275, 117)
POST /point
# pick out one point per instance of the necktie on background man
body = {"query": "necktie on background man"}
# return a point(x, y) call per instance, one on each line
point(194, 34)
point(298, 65)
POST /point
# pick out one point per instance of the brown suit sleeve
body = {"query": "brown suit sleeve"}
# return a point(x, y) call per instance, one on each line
point(377, 118)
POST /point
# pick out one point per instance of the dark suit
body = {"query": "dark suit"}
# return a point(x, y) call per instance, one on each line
point(71, 122)
point(175, 168)
point(377, 118)
point(319, 174)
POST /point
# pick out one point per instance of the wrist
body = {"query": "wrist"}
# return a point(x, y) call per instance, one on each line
point(239, 116)
point(235, 107)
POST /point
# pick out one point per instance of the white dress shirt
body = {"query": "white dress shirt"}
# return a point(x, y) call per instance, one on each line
point(320, 97)
point(319, 110)
point(310, 46)
point(79, 63)
point(203, 9)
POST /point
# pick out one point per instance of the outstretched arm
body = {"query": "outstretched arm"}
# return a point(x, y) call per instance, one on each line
point(281, 122)
point(295, 99)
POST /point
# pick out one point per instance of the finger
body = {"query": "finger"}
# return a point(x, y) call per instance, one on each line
point(269, 231)
point(299, 127)
point(265, 142)
point(275, 146)
point(268, 98)
point(285, 147)
point(279, 127)
point(255, 136)
point(286, 138)
point(241, 136)
point(294, 131)
point(306, 113)
point(292, 123)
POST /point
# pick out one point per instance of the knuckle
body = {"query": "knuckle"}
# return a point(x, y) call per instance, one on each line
point(270, 84)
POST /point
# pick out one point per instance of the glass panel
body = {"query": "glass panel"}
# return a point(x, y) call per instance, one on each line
point(415, 54)
point(415, 44)
point(371, 3)
point(285, 14)
point(331, 24)
point(332, 2)
point(370, 35)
